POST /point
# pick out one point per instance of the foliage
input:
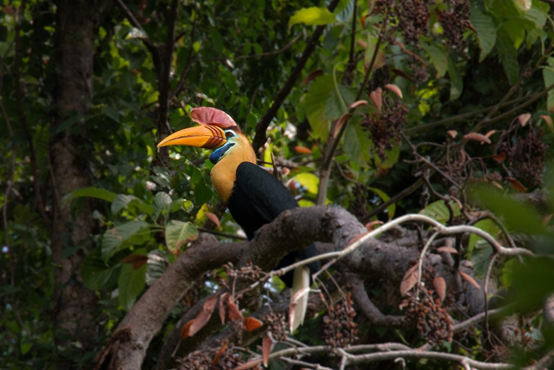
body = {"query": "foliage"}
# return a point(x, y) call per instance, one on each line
point(236, 56)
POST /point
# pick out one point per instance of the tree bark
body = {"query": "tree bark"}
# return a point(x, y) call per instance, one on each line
point(76, 26)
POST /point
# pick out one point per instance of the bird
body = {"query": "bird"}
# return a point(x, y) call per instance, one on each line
point(253, 196)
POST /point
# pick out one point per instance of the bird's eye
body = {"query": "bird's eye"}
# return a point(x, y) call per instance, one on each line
point(229, 134)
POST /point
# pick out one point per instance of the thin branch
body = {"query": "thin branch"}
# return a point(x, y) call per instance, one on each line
point(254, 56)
point(261, 137)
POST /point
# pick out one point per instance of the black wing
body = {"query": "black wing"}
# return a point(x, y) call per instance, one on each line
point(257, 198)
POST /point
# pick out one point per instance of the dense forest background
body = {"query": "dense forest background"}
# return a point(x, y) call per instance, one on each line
point(416, 134)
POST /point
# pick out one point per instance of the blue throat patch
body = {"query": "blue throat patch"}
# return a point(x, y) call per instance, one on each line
point(218, 153)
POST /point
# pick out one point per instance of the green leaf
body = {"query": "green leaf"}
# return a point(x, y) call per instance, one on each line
point(162, 202)
point(96, 273)
point(456, 82)
point(131, 282)
point(548, 75)
point(508, 270)
point(312, 16)
point(25, 346)
point(314, 105)
point(485, 225)
point(508, 55)
point(516, 31)
point(115, 238)
point(178, 233)
point(517, 216)
point(309, 181)
point(334, 108)
point(391, 210)
point(532, 282)
point(91, 193)
point(439, 211)
point(439, 58)
point(486, 31)
point(123, 200)
point(480, 257)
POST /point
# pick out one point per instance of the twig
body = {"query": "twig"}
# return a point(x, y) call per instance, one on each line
point(218, 233)
point(261, 137)
point(422, 257)
point(262, 55)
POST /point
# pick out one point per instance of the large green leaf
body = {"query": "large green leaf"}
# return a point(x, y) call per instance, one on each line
point(517, 216)
point(162, 202)
point(456, 81)
point(391, 210)
point(309, 181)
point(124, 200)
point(131, 282)
point(439, 58)
point(314, 105)
point(508, 55)
point(96, 273)
point(178, 233)
point(312, 16)
point(548, 75)
point(92, 193)
point(115, 238)
point(439, 211)
point(486, 31)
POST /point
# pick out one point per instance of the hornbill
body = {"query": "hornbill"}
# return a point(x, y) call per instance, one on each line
point(254, 196)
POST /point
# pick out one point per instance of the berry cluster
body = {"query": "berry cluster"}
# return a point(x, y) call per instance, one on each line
point(277, 326)
point(431, 319)
point(215, 359)
point(340, 330)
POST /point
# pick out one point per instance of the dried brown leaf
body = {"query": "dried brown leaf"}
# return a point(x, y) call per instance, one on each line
point(251, 324)
point(370, 226)
point(496, 184)
point(490, 133)
point(341, 122)
point(362, 43)
point(516, 184)
point(358, 103)
point(185, 330)
point(500, 157)
point(220, 353)
point(477, 137)
point(447, 249)
point(546, 220)
point(267, 344)
point(234, 311)
point(222, 310)
point(409, 280)
point(452, 133)
point(469, 279)
point(203, 316)
point(548, 122)
point(394, 89)
point(248, 365)
point(212, 217)
point(302, 150)
point(377, 101)
point(440, 287)
point(524, 119)
point(312, 76)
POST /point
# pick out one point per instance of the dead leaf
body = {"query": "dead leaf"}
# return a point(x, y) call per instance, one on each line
point(499, 157)
point(267, 344)
point(248, 365)
point(234, 311)
point(186, 329)
point(447, 249)
point(362, 43)
point(548, 122)
point(312, 76)
point(409, 280)
point(203, 316)
point(342, 120)
point(220, 353)
point(403, 74)
point(138, 260)
point(516, 184)
point(452, 133)
point(490, 133)
point(469, 279)
point(251, 324)
point(440, 287)
point(524, 119)
point(370, 226)
point(477, 137)
point(222, 309)
point(394, 89)
point(212, 217)
point(292, 307)
point(495, 183)
point(358, 103)
point(377, 100)
point(302, 150)
point(547, 219)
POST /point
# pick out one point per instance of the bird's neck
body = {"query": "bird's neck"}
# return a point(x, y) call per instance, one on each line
point(224, 173)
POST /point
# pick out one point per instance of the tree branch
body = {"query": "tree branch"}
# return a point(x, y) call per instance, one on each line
point(261, 137)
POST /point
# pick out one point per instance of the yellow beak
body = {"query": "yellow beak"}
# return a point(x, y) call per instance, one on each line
point(209, 137)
